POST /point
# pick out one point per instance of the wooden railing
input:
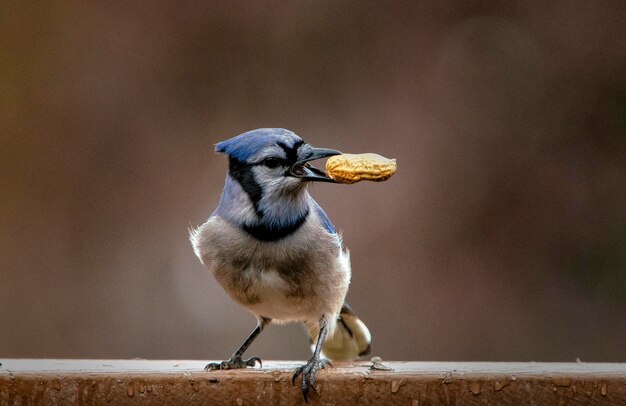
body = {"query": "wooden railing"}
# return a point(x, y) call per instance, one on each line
point(68, 382)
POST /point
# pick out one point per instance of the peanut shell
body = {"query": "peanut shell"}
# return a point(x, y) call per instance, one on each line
point(351, 168)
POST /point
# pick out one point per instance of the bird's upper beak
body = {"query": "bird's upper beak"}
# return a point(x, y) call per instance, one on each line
point(303, 170)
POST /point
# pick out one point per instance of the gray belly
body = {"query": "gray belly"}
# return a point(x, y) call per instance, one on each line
point(298, 279)
point(272, 292)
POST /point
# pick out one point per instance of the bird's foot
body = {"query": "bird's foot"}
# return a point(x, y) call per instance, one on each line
point(308, 372)
point(234, 362)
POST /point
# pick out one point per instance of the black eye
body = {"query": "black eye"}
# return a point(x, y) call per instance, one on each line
point(271, 162)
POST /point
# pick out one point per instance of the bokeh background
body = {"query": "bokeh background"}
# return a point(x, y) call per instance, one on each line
point(502, 236)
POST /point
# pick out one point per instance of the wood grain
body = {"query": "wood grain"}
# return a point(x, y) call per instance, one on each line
point(42, 381)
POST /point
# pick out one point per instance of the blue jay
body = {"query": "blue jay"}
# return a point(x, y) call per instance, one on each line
point(276, 253)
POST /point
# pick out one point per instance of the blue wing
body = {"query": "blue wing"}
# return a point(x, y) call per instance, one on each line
point(328, 226)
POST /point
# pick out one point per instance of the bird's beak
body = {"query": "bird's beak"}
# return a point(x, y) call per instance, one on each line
point(303, 170)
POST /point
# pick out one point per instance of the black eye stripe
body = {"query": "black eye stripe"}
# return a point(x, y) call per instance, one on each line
point(242, 173)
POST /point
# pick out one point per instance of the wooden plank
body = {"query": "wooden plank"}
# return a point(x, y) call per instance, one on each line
point(46, 381)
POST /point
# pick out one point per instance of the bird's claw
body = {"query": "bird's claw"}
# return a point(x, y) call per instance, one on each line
point(308, 372)
point(233, 363)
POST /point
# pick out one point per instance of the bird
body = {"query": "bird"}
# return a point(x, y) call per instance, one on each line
point(275, 252)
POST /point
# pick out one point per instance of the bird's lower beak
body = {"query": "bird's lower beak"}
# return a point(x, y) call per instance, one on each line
point(303, 170)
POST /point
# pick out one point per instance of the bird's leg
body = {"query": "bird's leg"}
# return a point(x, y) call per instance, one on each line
point(235, 360)
point(309, 369)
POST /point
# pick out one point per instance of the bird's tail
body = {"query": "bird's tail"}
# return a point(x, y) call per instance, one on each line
point(351, 339)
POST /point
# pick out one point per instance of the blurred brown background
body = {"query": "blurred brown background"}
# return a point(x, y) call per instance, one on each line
point(502, 236)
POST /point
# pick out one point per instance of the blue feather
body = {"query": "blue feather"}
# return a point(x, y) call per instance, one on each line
point(328, 226)
point(244, 146)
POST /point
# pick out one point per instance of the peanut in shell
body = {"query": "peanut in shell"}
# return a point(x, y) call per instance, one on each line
point(351, 168)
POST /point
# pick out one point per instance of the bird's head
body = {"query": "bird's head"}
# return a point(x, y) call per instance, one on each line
point(273, 161)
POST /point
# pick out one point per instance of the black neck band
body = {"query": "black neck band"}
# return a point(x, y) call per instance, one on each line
point(265, 233)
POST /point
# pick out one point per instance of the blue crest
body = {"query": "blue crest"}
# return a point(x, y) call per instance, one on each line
point(245, 145)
